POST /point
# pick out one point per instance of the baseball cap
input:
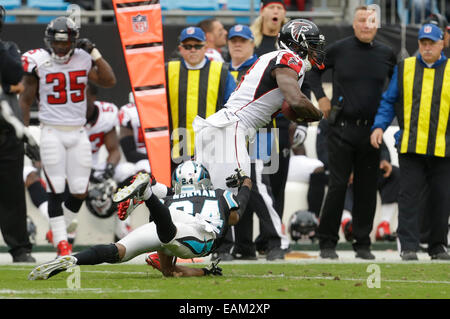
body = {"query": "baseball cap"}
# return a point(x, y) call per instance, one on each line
point(192, 33)
point(430, 31)
point(267, 2)
point(240, 30)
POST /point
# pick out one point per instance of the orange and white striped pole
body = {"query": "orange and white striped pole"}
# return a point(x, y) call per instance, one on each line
point(140, 28)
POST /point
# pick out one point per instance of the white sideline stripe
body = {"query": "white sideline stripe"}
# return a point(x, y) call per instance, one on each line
point(279, 276)
point(139, 8)
point(81, 290)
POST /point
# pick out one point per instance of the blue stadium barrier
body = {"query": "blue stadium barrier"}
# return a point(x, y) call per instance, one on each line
point(199, 5)
point(10, 5)
point(47, 5)
point(243, 5)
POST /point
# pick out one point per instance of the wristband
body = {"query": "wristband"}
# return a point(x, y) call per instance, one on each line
point(95, 54)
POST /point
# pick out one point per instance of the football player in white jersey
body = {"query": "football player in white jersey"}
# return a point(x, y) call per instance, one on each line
point(132, 143)
point(58, 76)
point(274, 78)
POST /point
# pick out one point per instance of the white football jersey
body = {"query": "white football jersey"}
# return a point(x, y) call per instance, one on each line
point(257, 98)
point(62, 87)
point(129, 117)
point(107, 120)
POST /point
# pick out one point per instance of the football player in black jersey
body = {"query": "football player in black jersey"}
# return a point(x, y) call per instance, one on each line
point(187, 224)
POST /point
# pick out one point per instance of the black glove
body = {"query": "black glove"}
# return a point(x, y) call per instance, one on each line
point(237, 179)
point(86, 45)
point(108, 171)
point(213, 269)
point(33, 152)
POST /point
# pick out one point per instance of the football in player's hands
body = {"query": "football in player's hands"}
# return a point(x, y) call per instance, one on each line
point(237, 179)
point(86, 45)
point(288, 111)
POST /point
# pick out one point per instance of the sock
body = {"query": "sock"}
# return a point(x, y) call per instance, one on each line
point(161, 215)
point(160, 190)
point(345, 215)
point(37, 193)
point(58, 227)
point(71, 208)
point(148, 192)
point(43, 208)
point(98, 254)
point(387, 211)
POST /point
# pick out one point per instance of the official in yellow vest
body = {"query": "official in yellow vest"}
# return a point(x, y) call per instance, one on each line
point(421, 85)
point(195, 86)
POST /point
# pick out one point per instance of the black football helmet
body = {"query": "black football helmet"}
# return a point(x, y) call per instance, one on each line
point(304, 38)
point(99, 200)
point(303, 224)
point(61, 29)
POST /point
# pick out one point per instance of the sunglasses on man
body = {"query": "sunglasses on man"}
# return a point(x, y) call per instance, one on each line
point(190, 46)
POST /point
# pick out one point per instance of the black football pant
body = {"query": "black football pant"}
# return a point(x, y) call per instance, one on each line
point(349, 149)
point(424, 187)
point(13, 213)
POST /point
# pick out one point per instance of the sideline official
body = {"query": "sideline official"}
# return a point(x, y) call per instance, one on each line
point(421, 86)
point(195, 86)
point(361, 66)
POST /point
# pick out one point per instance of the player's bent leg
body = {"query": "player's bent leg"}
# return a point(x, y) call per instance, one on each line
point(141, 240)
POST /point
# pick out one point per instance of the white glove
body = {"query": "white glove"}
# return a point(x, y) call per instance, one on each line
point(299, 135)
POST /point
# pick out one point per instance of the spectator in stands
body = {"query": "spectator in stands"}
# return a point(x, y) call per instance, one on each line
point(418, 85)
point(216, 38)
point(195, 86)
point(267, 25)
point(355, 98)
point(299, 5)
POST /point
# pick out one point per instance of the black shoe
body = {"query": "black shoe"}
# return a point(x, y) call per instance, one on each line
point(328, 253)
point(408, 255)
point(222, 256)
point(24, 258)
point(239, 256)
point(364, 254)
point(441, 256)
point(275, 253)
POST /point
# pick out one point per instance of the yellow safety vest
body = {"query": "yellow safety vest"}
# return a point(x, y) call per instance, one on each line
point(192, 93)
point(423, 113)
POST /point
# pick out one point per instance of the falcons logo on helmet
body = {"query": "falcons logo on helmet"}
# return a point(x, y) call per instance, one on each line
point(298, 28)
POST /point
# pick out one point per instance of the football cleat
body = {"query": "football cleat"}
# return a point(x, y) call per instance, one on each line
point(124, 209)
point(152, 259)
point(135, 190)
point(63, 248)
point(347, 229)
point(384, 232)
point(47, 270)
point(70, 230)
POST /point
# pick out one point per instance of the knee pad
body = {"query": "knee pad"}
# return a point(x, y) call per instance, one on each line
point(78, 185)
point(143, 165)
point(123, 171)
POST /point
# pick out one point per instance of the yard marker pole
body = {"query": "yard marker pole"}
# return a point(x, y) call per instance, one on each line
point(140, 28)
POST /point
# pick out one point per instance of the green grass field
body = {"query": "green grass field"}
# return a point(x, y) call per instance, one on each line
point(240, 281)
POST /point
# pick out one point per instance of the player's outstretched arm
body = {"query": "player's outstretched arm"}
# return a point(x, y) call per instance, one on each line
point(287, 80)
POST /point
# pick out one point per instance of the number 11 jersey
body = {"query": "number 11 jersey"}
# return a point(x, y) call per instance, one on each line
point(62, 87)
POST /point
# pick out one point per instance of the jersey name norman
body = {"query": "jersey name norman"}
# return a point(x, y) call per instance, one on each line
point(258, 97)
point(62, 87)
